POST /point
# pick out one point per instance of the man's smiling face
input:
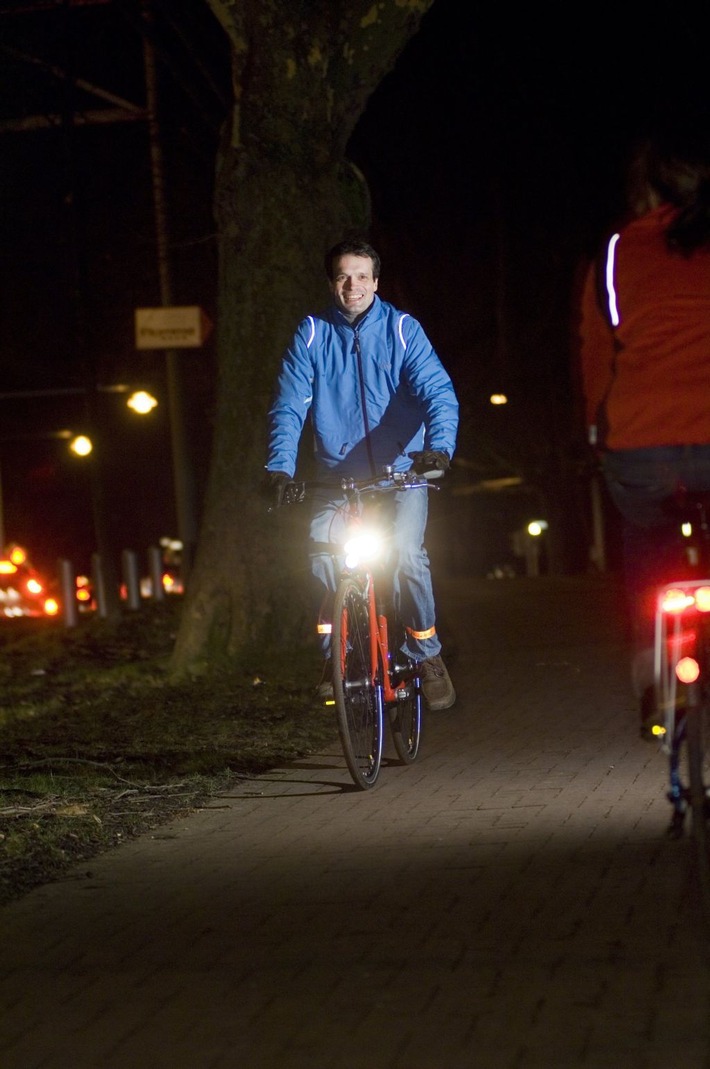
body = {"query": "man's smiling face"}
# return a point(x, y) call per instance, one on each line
point(352, 285)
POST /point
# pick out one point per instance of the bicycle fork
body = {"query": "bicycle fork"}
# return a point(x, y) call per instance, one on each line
point(370, 666)
point(394, 686)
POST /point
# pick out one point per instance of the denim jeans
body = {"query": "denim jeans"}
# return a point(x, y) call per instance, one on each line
point(407, 511)
point(639, 480)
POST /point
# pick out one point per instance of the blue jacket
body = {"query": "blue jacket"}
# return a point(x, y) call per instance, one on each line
point(374, 392)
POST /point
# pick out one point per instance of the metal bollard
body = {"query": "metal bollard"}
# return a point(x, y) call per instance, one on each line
point(67, 586)
point(99, 583)
point(155, 564)
point(129, 563)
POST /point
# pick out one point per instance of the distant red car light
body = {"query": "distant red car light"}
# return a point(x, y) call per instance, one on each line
point(22, 590)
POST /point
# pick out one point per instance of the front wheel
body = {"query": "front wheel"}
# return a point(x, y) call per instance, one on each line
point(358, 694)
point(406, 713)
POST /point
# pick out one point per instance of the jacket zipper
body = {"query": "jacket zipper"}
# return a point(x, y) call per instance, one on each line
point(361, 379)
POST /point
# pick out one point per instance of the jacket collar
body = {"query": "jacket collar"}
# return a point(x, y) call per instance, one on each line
point(341, 320)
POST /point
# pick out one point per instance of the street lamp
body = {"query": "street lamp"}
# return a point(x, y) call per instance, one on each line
point(141, 402)
point(81, 445)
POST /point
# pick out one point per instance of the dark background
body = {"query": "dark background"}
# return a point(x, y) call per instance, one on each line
point(79, 255)
point(495, 155)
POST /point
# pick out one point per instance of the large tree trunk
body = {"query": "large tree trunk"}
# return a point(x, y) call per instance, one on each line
point(285, 192)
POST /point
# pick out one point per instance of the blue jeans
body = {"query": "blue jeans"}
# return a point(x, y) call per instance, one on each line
point(407, 511)
point(639, 480)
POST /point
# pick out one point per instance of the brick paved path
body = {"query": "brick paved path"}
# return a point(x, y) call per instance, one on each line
point(509, 902)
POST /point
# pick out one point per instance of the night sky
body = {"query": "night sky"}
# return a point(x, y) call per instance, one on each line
point(78, 255)
point(494, 153)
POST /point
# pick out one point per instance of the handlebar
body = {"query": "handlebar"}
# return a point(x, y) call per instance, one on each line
point(391, 480)
point(295, 492)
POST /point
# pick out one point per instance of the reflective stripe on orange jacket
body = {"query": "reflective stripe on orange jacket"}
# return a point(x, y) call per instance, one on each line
point(647, 379)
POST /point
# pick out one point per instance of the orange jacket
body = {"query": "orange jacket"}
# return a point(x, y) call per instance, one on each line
point(646, 380)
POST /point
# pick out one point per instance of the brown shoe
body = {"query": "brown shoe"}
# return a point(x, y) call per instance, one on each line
point(436, 684)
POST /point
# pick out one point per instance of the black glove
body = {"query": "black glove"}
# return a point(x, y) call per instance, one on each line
point(429, 460)
point(273, 488)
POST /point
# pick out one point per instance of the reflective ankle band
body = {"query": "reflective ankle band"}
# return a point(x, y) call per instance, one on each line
point(429, 633)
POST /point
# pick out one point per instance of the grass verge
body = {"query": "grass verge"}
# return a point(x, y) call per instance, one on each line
point(97, 746)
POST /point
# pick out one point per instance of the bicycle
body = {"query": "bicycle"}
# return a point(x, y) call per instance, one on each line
point(371, 675)
point(682, 682)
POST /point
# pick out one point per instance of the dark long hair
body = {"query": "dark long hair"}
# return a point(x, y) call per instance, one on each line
point(675, 164)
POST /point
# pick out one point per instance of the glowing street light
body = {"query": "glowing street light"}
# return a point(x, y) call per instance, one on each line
point(498, 399)
point(141, 402)
point(81, 445)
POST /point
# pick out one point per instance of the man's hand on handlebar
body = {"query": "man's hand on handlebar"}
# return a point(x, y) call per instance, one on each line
point(430, 462)
point(274, 488)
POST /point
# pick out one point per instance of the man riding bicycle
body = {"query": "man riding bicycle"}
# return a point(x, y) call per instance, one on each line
point(377, 394)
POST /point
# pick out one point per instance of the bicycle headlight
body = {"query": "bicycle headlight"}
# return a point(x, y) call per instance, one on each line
point(364, 546)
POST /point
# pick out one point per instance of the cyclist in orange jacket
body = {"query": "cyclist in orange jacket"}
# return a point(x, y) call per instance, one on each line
point(645, 363)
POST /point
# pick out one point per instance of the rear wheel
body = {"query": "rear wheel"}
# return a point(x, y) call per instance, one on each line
point(697, 726)
point(358, 697)
point(406, 713)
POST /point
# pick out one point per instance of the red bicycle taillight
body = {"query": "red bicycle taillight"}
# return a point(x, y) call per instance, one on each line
point(687, 670)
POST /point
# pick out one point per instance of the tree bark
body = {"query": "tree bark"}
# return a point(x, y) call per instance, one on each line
point(285, 192)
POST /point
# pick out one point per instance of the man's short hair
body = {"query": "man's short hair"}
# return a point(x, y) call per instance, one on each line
point(352, 247)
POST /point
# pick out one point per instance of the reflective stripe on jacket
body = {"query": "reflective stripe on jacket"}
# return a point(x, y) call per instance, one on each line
point(645, 341)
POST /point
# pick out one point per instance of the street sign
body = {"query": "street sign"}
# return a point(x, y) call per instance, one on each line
point(185, 327)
